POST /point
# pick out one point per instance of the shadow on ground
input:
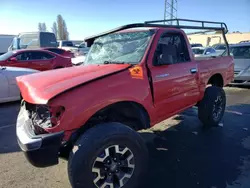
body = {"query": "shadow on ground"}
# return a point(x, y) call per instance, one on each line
point(182, 152)
point(188, 155)
point(8, 116)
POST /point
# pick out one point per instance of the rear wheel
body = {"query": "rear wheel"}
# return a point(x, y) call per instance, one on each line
point(212, 107)
point(108, 155)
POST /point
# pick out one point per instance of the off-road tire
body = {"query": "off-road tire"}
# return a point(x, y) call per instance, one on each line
point(95, 140)
point(206, 106)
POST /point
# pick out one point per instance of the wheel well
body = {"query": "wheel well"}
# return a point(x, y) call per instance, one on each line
point(216, 80)
point(129, 113)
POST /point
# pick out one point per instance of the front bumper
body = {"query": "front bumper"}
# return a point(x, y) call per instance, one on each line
point(40, 150)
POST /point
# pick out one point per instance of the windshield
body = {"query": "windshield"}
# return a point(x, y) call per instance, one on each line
point(198, 51)
point(240, 52)
point(119, 47)
point(6, 56)
point(82, 45)
point(220, 47)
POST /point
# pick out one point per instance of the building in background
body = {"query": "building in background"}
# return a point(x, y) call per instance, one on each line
point(211, 39)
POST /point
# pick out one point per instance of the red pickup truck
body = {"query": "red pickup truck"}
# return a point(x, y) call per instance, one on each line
point(131, 80)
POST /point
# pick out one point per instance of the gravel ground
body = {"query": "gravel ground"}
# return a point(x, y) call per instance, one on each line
point(182, 152)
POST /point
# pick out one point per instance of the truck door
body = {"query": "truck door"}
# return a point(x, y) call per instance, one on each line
point(174, 75)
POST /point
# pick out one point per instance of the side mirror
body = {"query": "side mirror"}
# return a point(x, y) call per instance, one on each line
point(207, 53)
point(13, 59)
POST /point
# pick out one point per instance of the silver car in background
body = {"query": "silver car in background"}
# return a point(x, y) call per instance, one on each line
point(241, 53)
point(203, 51)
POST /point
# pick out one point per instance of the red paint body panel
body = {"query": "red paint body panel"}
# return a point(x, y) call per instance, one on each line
point(41, 87)
point(173, 89)
point(42, 64)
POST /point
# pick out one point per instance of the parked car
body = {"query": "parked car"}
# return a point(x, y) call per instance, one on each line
point(241, 54)
point(9, 89)
point(201, 51)
point(33, 40)
point(62, 52)
point(220, 48)
point(131, 80)
point(67, 45)
point(35, 59)
point(79, 60)
point(245, 41)
point(82, 49)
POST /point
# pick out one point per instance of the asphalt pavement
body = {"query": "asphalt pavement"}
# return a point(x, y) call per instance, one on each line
point(182, 152)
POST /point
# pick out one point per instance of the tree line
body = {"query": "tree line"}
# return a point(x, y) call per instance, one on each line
point(59, 28)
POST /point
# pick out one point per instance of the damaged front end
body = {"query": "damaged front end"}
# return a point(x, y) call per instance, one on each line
point(43, 117)
point(41, 148)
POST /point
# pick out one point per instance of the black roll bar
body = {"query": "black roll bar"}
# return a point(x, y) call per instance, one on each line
point(220, 26)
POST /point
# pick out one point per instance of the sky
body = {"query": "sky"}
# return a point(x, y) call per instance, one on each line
point(88, 17)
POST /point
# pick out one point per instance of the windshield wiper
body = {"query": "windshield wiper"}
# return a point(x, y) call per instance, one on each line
point(114, 62)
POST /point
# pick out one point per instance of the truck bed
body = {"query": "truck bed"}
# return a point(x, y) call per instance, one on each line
point(208, 66)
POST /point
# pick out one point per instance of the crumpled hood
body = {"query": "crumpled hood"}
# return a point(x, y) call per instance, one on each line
point(38, 88)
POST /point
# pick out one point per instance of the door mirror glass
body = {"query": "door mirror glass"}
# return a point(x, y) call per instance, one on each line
point(208, 53)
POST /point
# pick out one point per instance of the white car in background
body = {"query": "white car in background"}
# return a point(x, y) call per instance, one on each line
point(9, 90)
point(203, 51)
point(67, 45)
point(78, 60)
point(83, 49)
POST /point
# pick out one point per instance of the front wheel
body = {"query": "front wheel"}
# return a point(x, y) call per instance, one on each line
point(108, 155)
point(212, 107)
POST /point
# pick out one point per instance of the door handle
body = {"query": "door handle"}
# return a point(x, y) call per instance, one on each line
point(193, 70)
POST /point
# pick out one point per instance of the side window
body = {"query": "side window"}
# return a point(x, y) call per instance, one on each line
point(57, 51)
point(46, 55)
point(41, 56)
point(213, 50)
point(171, 49)
point(25, 56)
point(208, 50)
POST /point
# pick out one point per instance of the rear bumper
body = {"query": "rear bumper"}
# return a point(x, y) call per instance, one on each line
point(40, 150)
